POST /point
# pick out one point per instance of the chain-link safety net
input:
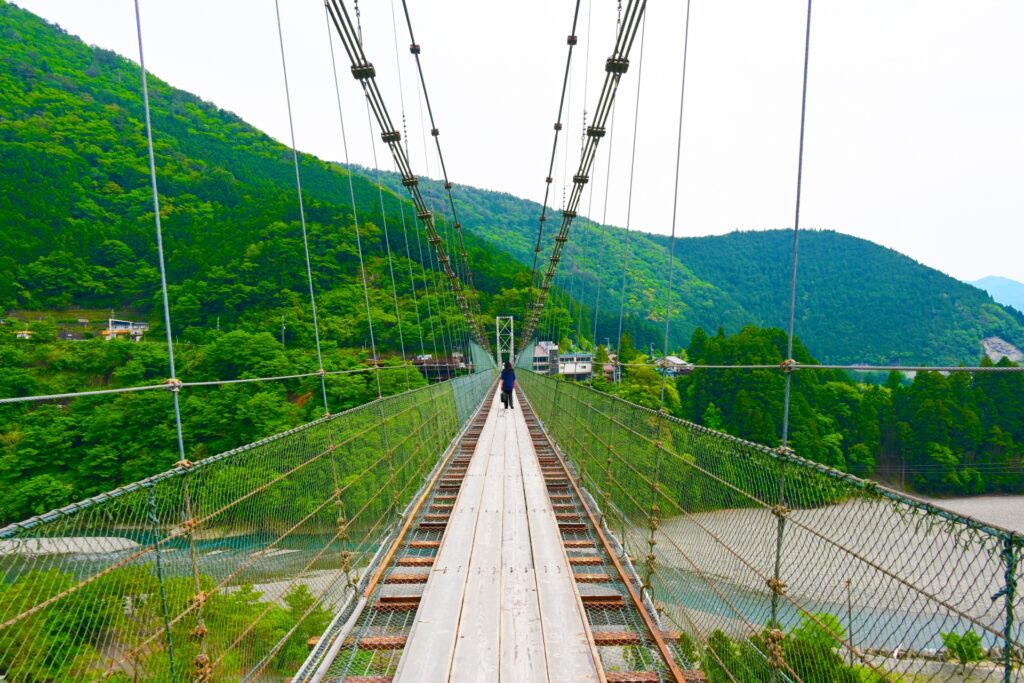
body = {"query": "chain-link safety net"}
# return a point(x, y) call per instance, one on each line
point(763, 566)
point(226, 568)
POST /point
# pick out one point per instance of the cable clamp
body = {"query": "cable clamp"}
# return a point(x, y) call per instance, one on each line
point(595, 131)
point(567, 213)
point(174, 384)
point(616, 65)
point(435, 132)
point(788, 365)
point(184, 464)
point(785, 452)
point(580, 179)
point(780, 510)
point(363, 71)
point(777, 586)
point(390, 136)
point(571, 40)
point(425, 215)
point(410, 181)
point(199, 632)
point(414, 49)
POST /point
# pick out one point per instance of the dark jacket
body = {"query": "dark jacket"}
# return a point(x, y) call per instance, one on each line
point(508, 380)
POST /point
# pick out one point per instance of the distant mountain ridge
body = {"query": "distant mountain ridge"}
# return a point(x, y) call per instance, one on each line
point(1004, 290)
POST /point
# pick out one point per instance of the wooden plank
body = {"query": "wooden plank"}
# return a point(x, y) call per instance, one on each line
point(571, 655)
point(431, 644)
point(477, 647)
point(522, 642)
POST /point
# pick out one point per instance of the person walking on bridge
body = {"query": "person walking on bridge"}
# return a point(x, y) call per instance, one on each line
point(508, 383)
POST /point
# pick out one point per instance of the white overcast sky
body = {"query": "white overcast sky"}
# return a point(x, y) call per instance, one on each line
point(914, 120)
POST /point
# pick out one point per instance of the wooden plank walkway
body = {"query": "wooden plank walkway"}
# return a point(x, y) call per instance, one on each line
point(501, 603)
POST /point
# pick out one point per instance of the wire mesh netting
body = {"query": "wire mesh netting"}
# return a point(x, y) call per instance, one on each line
point(771, 567)
point(225, 568)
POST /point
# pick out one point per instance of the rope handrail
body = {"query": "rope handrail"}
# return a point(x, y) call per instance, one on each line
point(173, 386)
point(845, 477)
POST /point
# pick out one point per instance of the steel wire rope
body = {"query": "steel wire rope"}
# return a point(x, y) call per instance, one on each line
point(167, 315)
point(442, 297)
point(433, 275)
point(629, 196)
point(387, 241)
point(790, 329)
point(365, 73)
point(675, 195)
point(534, 298)
point(590, 191)
point(607, 185)
point(355, 213)
point(405, 132)
point(302, 210)
point(615, 66)
point(415, 49)
point(446, 231)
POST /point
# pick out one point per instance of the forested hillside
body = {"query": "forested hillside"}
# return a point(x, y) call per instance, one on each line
point(856, 302)
point(76, 212)
point(76, 230)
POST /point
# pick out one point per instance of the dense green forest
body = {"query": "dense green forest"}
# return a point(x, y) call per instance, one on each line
point(76, 227)
point(76, 215)
point(955, 434)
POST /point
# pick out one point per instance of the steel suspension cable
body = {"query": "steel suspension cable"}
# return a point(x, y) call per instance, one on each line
point(387, 240)
point(167, 313)
point(405, 131)
point(675, 196)
point(796, 230)
point(590, 192)
point(615, 66)
point(604, 221)
point(534, 298)
point(365, 73)
point(415, 48)
point(781, 496)
point(427, 287)
point(629, 200)
point(444, 299)
point(607, 185)
point(438, 294)
point(302, 210)
point(355, 209)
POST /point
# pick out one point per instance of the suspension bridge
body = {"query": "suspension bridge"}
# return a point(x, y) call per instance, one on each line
point(435, 535)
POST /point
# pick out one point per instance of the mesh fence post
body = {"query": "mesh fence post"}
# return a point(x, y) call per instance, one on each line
point(154, 520)
point(650, 563)
point(203, 668)
point(776, 584)
point(1009, 594)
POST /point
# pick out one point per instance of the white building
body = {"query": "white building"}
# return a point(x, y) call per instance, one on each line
point(124, 329)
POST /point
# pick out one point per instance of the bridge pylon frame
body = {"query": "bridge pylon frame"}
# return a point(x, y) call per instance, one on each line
point(504, 339)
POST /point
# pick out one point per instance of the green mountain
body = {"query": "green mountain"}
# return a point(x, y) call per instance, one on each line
point(76, 230)
point(856, 300)
point(76, 220)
